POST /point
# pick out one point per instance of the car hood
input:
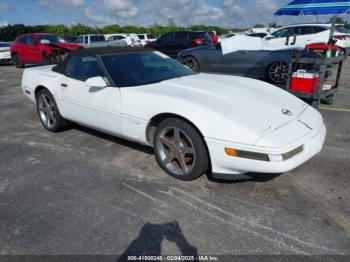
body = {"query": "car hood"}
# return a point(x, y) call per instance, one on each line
point(68, 46)
point(256, 105)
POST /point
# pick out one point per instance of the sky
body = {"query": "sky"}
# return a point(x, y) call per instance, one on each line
point(225, 13)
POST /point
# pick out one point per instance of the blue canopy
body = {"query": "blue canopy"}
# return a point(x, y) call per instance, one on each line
point(315, 7)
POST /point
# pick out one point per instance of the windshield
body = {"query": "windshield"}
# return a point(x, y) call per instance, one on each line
point(51, 38)
point(144, 68)
point(342, 29)
point(4, 44)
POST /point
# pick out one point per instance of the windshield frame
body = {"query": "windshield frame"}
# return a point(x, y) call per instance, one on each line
point(114, 84)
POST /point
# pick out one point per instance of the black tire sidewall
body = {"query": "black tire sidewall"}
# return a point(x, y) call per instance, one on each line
point(202, 157)
point(17, 60)
point(61, 123)
point(195, 61)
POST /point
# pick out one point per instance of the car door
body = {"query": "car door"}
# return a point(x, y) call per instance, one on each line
point(94, 107)
point(165, 43)
point(21, 45)
point(306, 35)
point(280, 39)
point(33, 49)
point(180, 42)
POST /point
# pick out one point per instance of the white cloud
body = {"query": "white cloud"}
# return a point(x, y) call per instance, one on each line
point(122, 8)
point(52, 5)
point(227, 13)
point(92, 17)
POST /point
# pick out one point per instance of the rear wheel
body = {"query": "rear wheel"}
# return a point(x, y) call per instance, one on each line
point(180, 150)
point(48, 112)
point(17, 60)
point(192, 63)
point(329, 100)
point(277, 72)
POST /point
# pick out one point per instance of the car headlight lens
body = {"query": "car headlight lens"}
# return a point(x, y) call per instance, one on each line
point(246, 154)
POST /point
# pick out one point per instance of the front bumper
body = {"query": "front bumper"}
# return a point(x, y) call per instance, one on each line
point(5, 56)
point(224, 164)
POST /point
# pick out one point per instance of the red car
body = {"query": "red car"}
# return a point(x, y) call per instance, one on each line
point(40, 48)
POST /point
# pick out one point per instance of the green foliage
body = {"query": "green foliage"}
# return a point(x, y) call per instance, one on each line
point(10, 32)
point(259, 26)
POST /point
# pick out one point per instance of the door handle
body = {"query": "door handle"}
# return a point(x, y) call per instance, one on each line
point(294, 40)
point(64, 85)
point(243, 52)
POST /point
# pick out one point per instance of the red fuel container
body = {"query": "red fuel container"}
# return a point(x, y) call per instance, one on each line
point(305, 81)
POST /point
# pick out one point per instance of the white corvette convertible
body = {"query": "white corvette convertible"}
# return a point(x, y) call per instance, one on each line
point(196, 123)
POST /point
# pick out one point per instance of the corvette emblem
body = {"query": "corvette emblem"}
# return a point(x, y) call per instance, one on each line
point(286, 112)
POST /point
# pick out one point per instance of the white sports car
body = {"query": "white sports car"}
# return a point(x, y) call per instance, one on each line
point(197, 123)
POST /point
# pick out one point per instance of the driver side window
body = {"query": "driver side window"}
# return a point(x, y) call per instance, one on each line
point(82, 67)
point(283, 33)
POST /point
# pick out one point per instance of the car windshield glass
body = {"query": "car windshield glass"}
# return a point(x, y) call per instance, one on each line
point(141, 36)
point(150, 36)
point(51, 38)
point(4, 45)
point(97, 38)
point(143, 68)
point(342, 29)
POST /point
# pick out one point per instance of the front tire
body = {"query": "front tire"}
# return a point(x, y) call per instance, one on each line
point(48, 112)
point(180, 150)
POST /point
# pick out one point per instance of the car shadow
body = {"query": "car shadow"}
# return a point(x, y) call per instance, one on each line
point(145, 149)
point(149, 241)
point(242, 178)
point(215, 178)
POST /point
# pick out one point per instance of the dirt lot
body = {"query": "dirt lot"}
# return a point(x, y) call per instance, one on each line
point(83, 192)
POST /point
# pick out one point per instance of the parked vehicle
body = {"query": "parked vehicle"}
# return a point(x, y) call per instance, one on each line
point(5, 53)
point(173, 42)
point(300, 35)
point(40, 48)
point(225, 36)
point(261, 64)
point(70, 39)
point(146, 38)
point(130, 39)
point(94, 40)
point(261, 35)
point(196, 123)
point(214, 37)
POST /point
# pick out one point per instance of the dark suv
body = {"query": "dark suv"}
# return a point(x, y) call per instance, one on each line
point(173, 42)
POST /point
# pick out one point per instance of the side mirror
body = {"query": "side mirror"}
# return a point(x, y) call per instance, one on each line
point(96, 82)
point(269, 37)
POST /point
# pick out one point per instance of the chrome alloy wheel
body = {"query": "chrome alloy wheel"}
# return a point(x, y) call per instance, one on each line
point(278, 72)
point(176, 150)
point(191, 63)
point(47, 111)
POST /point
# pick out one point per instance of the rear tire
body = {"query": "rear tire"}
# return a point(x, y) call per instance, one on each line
point(329, 100)
point(180, 150)
point(48, 112)
point(17, 61)
point(192, 63)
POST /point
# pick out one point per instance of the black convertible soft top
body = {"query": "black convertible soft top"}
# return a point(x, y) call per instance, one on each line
point(98, 51)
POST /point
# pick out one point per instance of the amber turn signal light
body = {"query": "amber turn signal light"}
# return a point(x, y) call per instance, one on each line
point(230, 151)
